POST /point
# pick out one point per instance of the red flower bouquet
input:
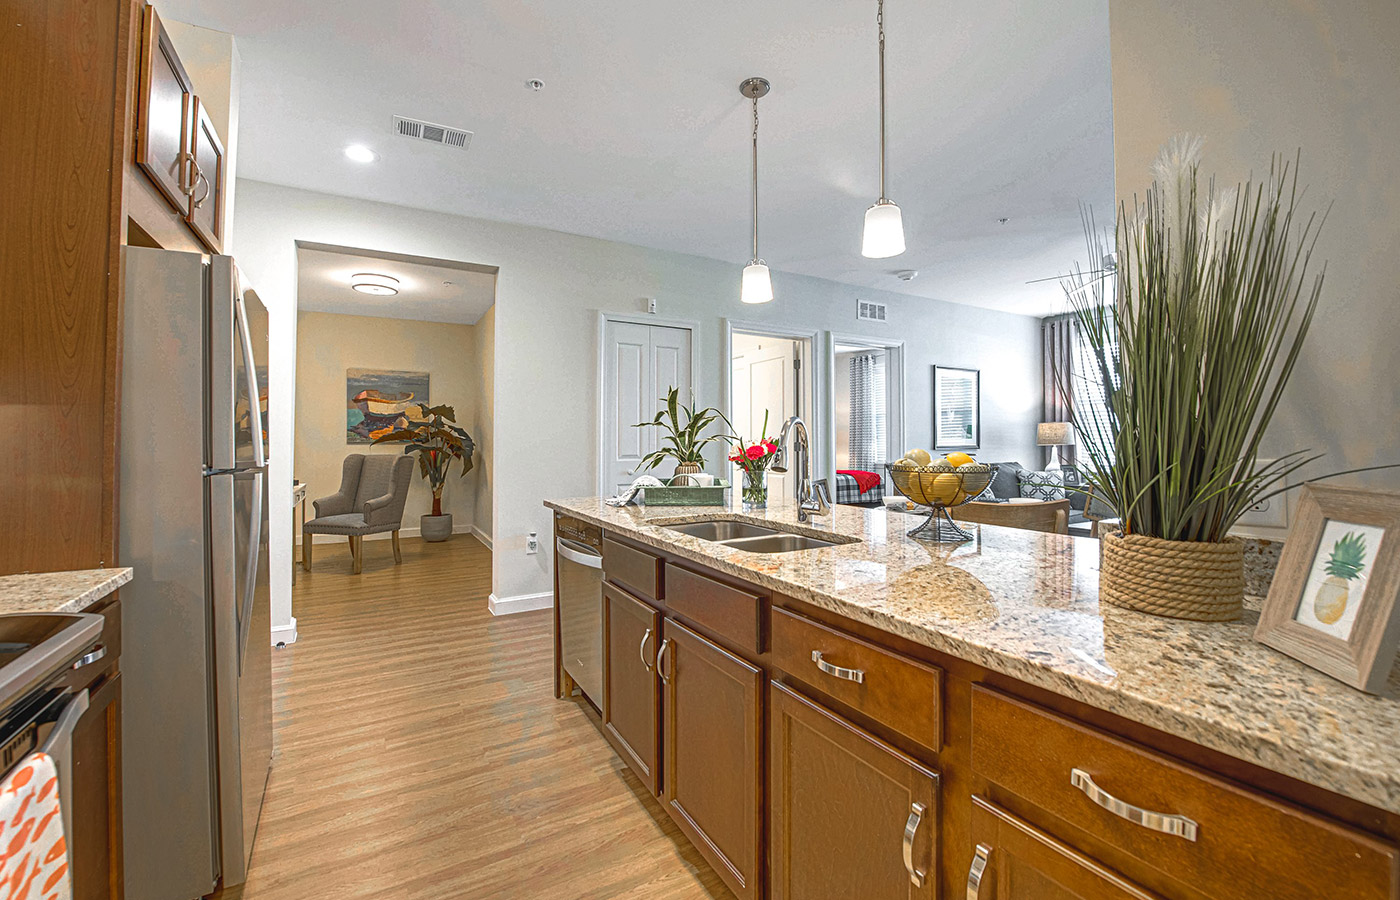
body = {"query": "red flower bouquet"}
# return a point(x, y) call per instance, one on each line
point(754, 458)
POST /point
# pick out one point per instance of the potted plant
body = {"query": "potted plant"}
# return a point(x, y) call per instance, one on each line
point(438, 442)
point(681, 440)
point(754, 458)
point(1193, 350)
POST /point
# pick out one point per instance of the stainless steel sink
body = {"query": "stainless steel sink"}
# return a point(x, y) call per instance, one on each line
point(779, 543)
point(724, 530)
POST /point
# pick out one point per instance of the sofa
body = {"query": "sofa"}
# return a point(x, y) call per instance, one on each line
point(1010, 476)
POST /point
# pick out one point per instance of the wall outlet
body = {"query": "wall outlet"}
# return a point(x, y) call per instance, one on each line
point(1270, 513)
point(532, 543)
point(651, 305)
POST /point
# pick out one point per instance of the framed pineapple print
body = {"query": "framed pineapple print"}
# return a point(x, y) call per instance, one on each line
point(1333, 604)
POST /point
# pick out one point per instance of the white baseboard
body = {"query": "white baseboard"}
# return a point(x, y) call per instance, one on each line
point(285, 634)
point(385, 535)
point(483, 537)
point(505, 606)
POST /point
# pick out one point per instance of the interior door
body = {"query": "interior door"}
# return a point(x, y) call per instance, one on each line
point(765, 380)
point(640, 364)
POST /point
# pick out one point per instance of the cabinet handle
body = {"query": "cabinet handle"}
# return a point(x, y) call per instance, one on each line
point(977, 870)
point(856, 675)
point(1154, 821)
point(911, 828)
point(642, 650)
point(90, 657)
point(660, 655)
point(186, 163)
point(208, 188)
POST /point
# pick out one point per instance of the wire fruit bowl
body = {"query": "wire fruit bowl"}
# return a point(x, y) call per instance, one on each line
point(941, 487)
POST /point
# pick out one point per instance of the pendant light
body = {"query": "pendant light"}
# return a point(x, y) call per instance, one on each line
point(884, 226)
point(757, 285)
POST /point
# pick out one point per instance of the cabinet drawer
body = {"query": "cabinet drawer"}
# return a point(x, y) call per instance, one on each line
point(895, 691)
point(727, 611)
point(634, 569)
point(1231, 842)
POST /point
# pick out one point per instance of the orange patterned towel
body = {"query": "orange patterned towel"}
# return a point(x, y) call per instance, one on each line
point(33, 854)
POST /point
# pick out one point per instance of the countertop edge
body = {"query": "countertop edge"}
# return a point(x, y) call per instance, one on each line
point(60, 592)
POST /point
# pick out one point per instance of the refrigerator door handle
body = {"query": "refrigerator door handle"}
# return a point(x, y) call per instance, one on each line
point(251, 373)
point(245, 611)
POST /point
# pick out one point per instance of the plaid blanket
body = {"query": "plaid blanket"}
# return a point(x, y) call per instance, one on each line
point(847, 491)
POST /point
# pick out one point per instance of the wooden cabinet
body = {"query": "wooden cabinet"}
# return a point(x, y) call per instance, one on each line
point(713, 745)
point(631, 689)
point(1013, 860)
point(849, 815)
point(206, 180)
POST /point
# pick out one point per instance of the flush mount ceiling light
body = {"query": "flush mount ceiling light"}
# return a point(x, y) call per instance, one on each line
point(884, 225)
point(360, 153)
point(374, 283)
point(756, 285)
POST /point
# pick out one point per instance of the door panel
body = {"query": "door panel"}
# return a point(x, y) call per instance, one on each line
point(641, 363)
point(765, 381)
point(840, 805)
point(631, 690)
point(164, 114)
point(206, 180)
point(713, 769)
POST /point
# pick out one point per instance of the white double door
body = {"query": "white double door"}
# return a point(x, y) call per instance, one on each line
point(641, 363)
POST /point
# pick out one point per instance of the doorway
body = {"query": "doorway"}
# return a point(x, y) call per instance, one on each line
point(641, 360)
point(770, 376)
point(867, 389)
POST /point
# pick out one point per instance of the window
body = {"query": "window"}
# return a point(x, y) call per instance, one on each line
point(1089, 399)
point(867, 439)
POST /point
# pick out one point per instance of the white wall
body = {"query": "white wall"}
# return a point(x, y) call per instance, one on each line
point(550, 289)
point(1257, 77)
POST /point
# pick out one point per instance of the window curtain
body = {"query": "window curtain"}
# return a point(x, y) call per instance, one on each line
point(1057, 336)
point(867, 445)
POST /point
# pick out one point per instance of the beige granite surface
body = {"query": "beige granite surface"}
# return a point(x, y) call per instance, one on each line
point(59, 592)
point(1026, 604)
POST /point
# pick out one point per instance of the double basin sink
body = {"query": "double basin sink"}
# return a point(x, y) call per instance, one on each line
point(755, 538)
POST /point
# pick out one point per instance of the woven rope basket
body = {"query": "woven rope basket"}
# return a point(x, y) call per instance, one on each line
point(1194, 580)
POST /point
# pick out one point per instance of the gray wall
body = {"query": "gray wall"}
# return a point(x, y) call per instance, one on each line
point(550, 290)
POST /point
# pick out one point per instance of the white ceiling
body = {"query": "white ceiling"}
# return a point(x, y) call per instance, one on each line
point(996, 109)
point(429, 290)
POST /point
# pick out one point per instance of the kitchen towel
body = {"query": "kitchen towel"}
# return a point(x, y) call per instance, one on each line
point(630, 494)
point(33, 853)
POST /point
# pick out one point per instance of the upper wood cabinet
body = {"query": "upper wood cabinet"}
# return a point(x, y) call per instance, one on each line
point(849, 815)
point(631, 690)
point(713, 740)
point(177, 146)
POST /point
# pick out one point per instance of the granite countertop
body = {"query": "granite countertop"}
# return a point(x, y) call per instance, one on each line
point(1026, 604)
point(59, 592)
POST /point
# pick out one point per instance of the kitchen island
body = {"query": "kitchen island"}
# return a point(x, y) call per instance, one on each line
point(1104, 752)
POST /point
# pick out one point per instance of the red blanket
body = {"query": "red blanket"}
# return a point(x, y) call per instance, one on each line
point(864, 480)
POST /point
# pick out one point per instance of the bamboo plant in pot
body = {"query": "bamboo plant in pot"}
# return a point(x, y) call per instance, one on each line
point(1193, 346)
point(682, 428)
point(439, 442)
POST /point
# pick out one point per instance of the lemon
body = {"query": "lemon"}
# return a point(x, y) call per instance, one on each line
point(958, 458)
point(945, 488)
point(919, 457)
point(941, 461)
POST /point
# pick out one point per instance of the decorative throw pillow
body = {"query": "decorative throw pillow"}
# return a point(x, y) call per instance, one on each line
point(1048, 485)
point(987, 495)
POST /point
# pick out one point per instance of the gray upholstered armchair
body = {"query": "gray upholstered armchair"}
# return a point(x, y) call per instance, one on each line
point(372, 493)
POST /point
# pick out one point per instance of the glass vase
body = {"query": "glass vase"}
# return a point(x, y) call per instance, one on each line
point(755, 489)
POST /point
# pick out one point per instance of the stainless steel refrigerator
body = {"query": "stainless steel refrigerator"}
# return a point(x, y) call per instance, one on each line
point(196, 625)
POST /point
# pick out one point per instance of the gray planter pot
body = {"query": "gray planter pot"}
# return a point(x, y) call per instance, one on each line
point(436, 528)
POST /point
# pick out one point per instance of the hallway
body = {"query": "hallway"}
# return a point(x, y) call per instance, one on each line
point(421, 753)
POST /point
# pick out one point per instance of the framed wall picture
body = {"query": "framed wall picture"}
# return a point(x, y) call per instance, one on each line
point(377, 401)
point(957, 409)
point(1333, 600)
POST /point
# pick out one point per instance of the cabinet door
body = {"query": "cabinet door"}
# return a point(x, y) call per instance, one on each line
point(206, 180)
point(849, 815)
point(96, 839)
point(631, 690)
point(1014, 860)
point(713, 770)
point(165, 115)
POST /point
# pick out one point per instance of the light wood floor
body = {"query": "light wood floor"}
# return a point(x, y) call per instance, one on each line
point(421, 752)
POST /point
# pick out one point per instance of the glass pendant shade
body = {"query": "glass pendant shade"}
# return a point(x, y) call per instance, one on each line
point(884, 231)
point(757, 286)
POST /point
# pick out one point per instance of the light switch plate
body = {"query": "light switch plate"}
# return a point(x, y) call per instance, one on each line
point(1271, 513)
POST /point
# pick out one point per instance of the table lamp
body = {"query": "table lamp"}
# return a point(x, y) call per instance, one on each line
point(1054, 434)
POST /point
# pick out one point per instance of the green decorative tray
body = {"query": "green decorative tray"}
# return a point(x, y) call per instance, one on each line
point(686, 494)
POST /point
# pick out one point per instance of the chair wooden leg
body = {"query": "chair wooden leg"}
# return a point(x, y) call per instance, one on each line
point(357, 549)
point(306, 551)
point(398, 556)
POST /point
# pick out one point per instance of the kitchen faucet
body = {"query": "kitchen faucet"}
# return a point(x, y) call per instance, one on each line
point(813, 498)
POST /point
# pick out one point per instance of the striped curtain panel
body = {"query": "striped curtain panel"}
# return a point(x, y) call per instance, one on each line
point(867, 444)
point(1057, 335)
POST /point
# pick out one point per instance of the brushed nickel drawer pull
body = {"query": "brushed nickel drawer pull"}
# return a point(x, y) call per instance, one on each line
point(976, 871)
point(660, 655)
point(90, 657)
point(911, 828)
point(856, 675)
point(1155, 821)
point(642, 650)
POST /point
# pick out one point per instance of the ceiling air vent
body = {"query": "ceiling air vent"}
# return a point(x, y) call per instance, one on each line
point(428, 131)
point(870, 311)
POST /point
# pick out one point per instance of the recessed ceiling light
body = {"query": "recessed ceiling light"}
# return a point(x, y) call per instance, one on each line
point(906, 274)
point(374, 283)
point(360, 153)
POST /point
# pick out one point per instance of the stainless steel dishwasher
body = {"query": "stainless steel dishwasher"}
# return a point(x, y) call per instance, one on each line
point(579, 546)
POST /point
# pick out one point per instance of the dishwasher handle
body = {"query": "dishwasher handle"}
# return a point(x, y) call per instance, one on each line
point(582, 554)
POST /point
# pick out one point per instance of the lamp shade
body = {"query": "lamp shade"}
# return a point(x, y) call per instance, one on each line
point(757, 286)
point(884, 231)
point(1054, 434)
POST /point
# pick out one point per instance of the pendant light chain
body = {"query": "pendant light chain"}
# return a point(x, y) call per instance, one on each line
point(880, 23)
point(755, 178)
